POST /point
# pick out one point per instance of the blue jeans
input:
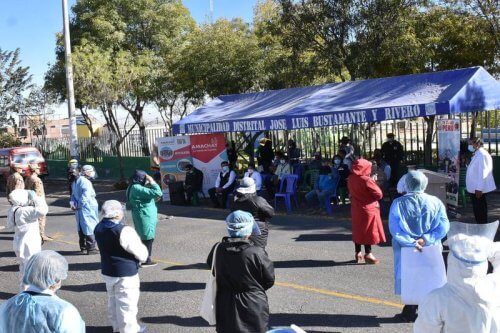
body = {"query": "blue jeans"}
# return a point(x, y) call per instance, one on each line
point(317, 198)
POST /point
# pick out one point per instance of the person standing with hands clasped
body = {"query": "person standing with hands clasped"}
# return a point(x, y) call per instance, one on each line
point(367, 227)
point(121, 252)
point(142, 195)
point(416, 220)
point(479, 179)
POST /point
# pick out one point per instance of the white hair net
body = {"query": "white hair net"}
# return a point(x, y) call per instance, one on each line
point(112, 209)
point(89, 171)
point(45, 269)
point(471, 243)
point(416, 181)
point(19, 197)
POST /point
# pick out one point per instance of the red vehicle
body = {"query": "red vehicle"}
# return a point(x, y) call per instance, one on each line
point(23, 156)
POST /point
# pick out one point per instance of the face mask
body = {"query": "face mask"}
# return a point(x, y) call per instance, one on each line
point(471, 148)
point(336, 161)
point(225, 168)
point(250, 171)
point(282, 161)
point(91, 175)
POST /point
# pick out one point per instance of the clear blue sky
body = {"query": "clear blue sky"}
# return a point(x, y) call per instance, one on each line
point(31, 25)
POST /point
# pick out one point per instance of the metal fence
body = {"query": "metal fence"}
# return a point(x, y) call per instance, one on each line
point(365, 137)
point(368, 137)
point(95, 148)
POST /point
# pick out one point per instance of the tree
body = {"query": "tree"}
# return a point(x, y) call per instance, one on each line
point(385, 42)
point(454, 38)
point(35, 108)
point(8, 140)
point(282, 66)
point(221, 58)
point(14, 80)
point(488, 10)
point(141, 32)
point(102, 77)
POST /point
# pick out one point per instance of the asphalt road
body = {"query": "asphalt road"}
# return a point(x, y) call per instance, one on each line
point(318, 287)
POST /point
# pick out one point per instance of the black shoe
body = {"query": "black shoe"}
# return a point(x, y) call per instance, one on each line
point(149, 264)
point(91, 252)
point(406, 319)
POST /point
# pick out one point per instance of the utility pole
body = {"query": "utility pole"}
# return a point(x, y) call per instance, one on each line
point(69, 84)
point(211, 11)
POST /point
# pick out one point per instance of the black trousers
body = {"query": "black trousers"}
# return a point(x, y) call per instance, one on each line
point(149, 245)
point(480, 208)
point(87, 242)
point(220, 199)
point(189, 194)
point(357, 248)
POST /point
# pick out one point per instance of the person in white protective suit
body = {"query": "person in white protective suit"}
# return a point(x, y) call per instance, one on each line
point(25, 211)
point(470, 301)
point(38, 309)
point(121, 251)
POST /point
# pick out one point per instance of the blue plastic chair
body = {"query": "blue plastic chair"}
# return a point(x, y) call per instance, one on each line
point(288, 189)
point(333, 196)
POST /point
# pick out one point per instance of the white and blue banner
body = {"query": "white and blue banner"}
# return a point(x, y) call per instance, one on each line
point(313, 121)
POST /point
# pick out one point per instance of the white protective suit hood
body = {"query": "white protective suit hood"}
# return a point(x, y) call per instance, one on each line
point(19, 197)
point(470, 247)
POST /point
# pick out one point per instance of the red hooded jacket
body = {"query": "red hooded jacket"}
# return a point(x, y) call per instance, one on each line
point(367, 228)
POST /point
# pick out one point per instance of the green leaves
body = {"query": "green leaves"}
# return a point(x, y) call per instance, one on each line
point(14, 80)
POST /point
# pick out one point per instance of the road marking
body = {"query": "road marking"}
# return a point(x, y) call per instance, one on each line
point(171, 263)
point(339, 295)
point(320, 291)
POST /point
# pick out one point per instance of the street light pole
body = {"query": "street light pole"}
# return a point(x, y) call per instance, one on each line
point(69, 85)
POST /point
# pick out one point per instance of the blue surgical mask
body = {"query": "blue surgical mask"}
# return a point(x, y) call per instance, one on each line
point(471, 148)
point(225, 168)
point(282, 161)
point(336, 161)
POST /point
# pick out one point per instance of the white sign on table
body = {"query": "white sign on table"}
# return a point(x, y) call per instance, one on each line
point(421, 273)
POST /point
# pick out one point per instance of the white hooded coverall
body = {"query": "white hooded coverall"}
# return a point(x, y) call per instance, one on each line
point(468, 303)
point(23, 217)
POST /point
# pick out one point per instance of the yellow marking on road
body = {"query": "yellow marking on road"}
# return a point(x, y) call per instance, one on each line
point(57, 235)
point(320, 291)
point(339, 295)
point(65, 242)
point(171, 263)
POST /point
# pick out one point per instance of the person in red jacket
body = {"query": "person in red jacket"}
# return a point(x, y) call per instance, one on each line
point(367, 228)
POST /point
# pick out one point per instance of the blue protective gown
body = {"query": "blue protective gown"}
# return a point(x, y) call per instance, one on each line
point(414, 216)
point(83, 195)
point(39, 313)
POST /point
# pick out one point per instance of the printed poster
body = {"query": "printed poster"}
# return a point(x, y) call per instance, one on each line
point(448, 131)
point(174, 154)
point(207, 152)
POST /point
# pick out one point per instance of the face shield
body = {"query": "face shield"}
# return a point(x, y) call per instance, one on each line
point(471, 243)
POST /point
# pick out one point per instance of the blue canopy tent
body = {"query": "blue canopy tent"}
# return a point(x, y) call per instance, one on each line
point(407, 96)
